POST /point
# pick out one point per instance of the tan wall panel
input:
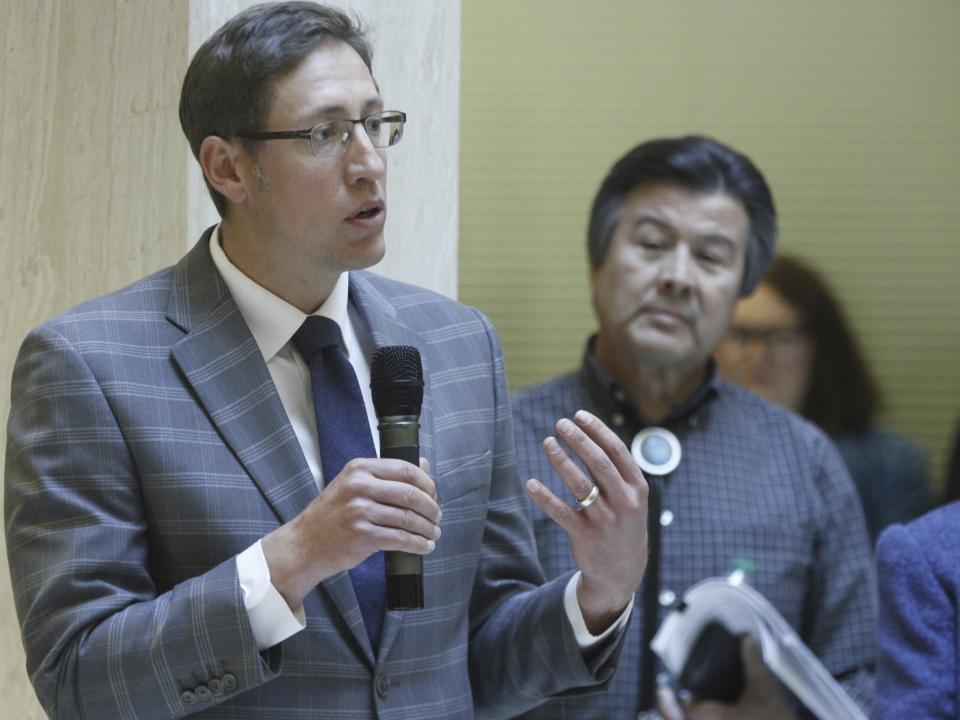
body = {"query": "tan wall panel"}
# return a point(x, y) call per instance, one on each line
point(92, 182)
point(851, 109)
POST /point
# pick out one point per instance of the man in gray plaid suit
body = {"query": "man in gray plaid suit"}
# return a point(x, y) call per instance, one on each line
point(679, 229)
point(174, 546)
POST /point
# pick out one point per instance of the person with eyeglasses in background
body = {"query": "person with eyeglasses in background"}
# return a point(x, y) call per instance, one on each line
point(196, 515)
point(790, 342)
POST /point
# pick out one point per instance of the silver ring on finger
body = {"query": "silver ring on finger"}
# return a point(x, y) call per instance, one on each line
point(590, 499)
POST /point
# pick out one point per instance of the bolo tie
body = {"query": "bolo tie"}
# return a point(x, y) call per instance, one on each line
point(657, 452)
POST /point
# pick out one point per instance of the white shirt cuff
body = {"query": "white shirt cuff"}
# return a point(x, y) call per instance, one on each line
point(585, 639)
point(271, 619)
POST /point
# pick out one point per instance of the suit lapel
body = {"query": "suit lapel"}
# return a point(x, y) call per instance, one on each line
point(380, 317)
point(222, 363)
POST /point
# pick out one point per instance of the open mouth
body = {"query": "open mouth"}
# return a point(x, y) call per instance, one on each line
point(367, 213)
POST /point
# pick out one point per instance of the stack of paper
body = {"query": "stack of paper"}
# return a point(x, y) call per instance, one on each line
point(741, 609)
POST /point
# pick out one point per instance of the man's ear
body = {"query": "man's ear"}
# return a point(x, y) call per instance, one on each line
point(221, 162)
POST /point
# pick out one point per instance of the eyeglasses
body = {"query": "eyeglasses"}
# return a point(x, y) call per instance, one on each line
point(785, 343)
point(333, 137)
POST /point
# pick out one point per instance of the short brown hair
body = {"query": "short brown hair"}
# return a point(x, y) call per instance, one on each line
point(229, 86)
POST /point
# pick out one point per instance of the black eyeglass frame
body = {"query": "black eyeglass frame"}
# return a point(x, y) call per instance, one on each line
point(382, 115)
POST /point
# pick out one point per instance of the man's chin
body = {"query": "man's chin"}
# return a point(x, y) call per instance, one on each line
point(667, 353)
point(367, 254)
point(661, 360)
point(675, 344)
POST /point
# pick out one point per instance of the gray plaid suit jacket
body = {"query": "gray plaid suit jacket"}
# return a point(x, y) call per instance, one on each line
point(147, 447)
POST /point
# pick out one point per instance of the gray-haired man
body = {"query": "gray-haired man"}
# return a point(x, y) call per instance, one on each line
point(680, 229)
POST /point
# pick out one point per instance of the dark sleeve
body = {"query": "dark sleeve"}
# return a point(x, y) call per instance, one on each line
point(916, 632)
point(522, 646)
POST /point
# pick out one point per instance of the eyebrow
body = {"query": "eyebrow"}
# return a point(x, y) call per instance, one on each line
point(711, 238)
point(335, 112)
point(717, 239)
point(650, 220)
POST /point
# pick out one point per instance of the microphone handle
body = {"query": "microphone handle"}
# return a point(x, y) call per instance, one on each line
point(400, 440)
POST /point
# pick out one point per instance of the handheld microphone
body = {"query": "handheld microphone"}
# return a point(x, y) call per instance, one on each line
point(396, 384)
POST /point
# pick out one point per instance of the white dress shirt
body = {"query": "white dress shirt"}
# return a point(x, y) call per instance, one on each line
point(273, 322)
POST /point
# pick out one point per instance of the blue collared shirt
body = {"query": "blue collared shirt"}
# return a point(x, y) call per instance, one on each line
point(757, 486)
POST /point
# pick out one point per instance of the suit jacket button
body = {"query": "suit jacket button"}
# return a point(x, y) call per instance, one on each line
point(202, 692)
point(188, 697)
point(216, 686)
point(229, 682)
point(383, 685)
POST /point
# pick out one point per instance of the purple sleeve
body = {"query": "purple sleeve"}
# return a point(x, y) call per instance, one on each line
point(917, 628)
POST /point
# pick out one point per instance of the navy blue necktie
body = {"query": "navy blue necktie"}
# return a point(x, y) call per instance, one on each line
point(344, 433)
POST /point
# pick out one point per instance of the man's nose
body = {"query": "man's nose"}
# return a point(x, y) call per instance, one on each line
point(364, 161)
point(676, 272)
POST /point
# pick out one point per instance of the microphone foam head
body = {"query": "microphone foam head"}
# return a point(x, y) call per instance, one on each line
point(396, 380)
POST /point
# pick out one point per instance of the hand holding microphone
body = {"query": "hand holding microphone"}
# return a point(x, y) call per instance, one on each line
point(373, 504)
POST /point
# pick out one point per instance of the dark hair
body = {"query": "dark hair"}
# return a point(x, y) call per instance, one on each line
point(842, 397)
point(952, 485)
point(230, 84)
point(700, 164)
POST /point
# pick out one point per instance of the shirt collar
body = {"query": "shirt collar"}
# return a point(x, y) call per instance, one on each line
point(271, 319)
point(610, 398)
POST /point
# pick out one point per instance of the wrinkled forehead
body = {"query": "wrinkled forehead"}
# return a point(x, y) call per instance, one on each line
point(686, 212)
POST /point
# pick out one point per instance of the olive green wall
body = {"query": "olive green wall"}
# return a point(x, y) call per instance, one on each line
point(852, 109)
